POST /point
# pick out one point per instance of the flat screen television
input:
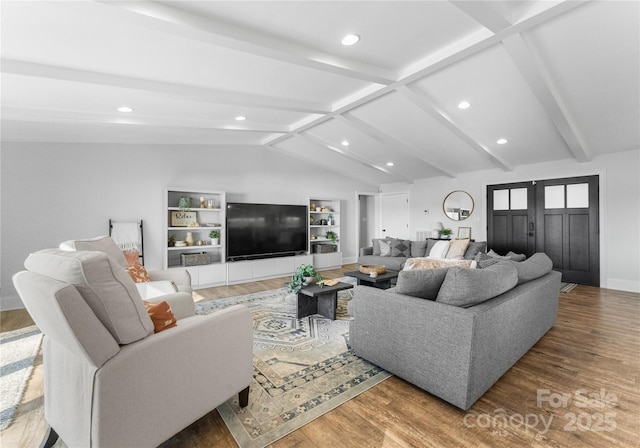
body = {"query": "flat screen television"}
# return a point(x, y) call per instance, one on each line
point(265, 230)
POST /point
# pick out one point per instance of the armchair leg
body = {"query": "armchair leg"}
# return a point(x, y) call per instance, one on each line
point(243, 397)
point(50, 438)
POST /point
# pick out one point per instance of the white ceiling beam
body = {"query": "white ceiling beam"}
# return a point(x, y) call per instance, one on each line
point(381, 136)
point(180, 91)
point(475, 44)
point(65, 116)
point(420, 99)
point(433, 63)
point(172, 20)
point(483, 13)
point(550, 97)
point(397, 174)
point(335, 167)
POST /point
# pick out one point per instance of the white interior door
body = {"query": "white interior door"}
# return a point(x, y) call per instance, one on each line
point(395, 215)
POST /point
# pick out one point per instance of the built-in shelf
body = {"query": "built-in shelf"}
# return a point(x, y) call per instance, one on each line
point(326, 253)
point(215, 272)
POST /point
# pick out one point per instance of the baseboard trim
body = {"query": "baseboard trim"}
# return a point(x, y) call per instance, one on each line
point(623, 285)
point(12, 302)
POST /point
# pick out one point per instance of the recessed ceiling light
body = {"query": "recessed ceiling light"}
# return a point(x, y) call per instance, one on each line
point(241, 118)
point(464, 105)
point(344, 142)
point(389, 163)
point(501, 141)
point(350, 39)
point(125, 109)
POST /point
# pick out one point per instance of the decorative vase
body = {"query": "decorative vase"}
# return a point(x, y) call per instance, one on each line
point(308, 281)
point(189, 239)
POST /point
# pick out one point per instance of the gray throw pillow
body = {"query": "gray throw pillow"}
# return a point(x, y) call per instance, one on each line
point(485, 260)
point(400, 248)
point(534, 267)
point(474, 249)
point(465, 287)
point(422, 283)
point(418, 248)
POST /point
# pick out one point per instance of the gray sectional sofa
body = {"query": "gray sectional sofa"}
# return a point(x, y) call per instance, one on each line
point(371, 255)
point(455, 331)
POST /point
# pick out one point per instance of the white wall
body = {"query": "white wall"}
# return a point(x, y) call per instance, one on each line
point(619, 207)
point(55, 192)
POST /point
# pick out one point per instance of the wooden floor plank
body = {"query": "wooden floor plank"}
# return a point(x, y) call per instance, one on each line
point(593, 347)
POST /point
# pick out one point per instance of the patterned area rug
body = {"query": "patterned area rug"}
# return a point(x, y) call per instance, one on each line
point(18, 350)
point(303, 368)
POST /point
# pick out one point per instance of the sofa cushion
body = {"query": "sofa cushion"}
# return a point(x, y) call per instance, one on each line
point(400, 248)
point(391, 263)
point(474, 248)
point(103, 284)
point(439, 250)
point(534, 267)
point(418, 248)
point(421, 283)
point(457, 249)
point(467, 287)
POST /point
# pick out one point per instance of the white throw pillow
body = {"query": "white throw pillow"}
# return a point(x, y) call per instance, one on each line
point(385, 249)
point(439, 250)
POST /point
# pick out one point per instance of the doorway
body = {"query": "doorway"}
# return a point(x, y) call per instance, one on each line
point(366, 219)
point(559, 217)
point(395, 215)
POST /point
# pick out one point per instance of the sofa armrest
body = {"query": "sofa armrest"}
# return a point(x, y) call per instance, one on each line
point(195, 367)
point(178, 276)
point(181, 303)
point(424, 342)
point(366, 251)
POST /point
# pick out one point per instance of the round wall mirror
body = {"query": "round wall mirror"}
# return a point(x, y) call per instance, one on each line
point(458, 205)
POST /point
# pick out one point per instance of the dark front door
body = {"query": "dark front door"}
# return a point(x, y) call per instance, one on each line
point(511, 217)
point(567, 213)
point(557, 216)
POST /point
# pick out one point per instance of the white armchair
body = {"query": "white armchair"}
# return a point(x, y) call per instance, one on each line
point(110, 381)
point(171, 285)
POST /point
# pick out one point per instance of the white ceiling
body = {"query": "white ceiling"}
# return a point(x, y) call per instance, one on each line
point(557, 79)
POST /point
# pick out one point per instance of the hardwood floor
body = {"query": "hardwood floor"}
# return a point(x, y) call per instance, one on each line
point(577, 387)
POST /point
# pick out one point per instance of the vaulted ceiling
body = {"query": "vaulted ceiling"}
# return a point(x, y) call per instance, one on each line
point(556, 79)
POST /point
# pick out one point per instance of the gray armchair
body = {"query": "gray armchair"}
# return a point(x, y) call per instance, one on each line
point(110, 381)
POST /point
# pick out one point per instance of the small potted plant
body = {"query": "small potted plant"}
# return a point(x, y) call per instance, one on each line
point(333, 236)
point(215, 237)
point(445, 233)
point(171, 240)
point(304, 275)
